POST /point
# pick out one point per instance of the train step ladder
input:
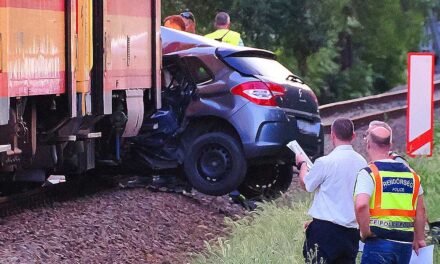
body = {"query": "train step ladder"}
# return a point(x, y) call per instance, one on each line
point(92, 135)
point(5, 148)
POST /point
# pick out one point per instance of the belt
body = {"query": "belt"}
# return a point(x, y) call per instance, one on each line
point(391, 224)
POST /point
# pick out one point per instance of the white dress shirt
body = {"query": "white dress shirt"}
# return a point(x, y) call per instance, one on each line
point(333, 178)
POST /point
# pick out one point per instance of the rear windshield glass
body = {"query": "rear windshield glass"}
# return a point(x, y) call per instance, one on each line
point(258, 66)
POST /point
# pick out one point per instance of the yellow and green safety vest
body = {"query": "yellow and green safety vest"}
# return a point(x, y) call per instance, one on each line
point(394, 201)
point(227, 36)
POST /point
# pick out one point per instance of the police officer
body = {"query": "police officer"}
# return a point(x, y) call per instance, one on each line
point(223, 32)
point(388, 203)
point(393, 155)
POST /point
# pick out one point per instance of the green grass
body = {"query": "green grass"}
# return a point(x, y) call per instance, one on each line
point(274, 232)
point(429, 171)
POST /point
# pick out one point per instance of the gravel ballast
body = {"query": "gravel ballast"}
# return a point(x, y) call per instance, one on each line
point(118, 226)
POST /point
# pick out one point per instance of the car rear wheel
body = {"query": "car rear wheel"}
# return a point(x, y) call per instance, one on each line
point(266, 181)
point(215, 164)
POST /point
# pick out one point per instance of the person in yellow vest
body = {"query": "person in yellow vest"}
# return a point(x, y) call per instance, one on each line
point(223, 32)
point(393, 155)
point(388, 204)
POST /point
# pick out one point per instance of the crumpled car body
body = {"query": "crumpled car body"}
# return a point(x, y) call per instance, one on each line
point(227, 114)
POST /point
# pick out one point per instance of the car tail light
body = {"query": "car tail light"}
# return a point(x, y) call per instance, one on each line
point(259, 93)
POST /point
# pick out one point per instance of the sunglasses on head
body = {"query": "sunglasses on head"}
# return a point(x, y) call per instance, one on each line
point(188, 15)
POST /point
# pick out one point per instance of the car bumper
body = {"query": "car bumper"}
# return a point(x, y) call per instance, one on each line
point(265, 131)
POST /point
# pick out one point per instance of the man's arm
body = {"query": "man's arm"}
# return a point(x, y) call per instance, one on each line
point(314, 177)
point(302, 174)
point(419, 225)
point(362, 210)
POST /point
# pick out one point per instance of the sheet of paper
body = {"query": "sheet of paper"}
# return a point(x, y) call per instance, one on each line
point(426, 256)
point(361, 246)
point(297, 149)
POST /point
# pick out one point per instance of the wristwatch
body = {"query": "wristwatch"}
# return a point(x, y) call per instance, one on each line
point(300, 164)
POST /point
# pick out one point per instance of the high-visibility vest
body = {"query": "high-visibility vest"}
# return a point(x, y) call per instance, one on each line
point(394, 201)
point(226, 35)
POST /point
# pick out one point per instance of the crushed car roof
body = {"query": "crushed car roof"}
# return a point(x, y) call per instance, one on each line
point(174, 41)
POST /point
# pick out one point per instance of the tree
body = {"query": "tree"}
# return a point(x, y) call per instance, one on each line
point(343, 48)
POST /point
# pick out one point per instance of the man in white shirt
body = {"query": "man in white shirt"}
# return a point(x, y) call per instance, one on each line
point(334, 230)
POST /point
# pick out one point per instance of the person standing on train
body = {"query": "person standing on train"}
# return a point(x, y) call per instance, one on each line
point(333, 236)
point(223, 32)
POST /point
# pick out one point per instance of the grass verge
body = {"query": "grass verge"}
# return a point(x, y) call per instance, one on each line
point(274, 232)
point(429, 171)
point(271, 234)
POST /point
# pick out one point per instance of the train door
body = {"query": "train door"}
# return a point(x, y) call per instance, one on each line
point(126, 58)
point(126, 53)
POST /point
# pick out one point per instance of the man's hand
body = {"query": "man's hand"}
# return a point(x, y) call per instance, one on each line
point(306, 224)
point(417, 244)
point(299, 158)
point(366, 234)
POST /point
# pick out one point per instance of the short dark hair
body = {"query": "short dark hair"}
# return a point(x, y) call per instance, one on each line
point(343, 128)
point(222, 19)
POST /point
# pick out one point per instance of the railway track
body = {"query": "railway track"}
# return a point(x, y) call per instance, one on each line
point(45, 196)
point(87, 185)
point(376, 107)
point(362, 110)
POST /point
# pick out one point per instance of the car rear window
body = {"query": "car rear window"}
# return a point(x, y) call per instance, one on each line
point(258, 66)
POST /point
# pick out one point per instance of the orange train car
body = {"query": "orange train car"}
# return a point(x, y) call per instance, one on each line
point(76, 76)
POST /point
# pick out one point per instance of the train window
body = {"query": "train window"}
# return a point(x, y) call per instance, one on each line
point(198, 70)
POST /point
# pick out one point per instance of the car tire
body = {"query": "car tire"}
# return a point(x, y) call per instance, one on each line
point(266, 181)
point(214, 163)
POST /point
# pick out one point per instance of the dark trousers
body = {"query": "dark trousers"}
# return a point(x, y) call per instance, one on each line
point(331, 243)
point(381, 251)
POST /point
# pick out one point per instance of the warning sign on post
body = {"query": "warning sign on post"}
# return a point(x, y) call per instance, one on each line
point(420, 114)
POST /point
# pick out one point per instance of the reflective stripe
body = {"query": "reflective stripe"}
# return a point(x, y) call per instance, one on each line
point(392, 212)
point(416, 190)
point(391, 224)
point(378, 180)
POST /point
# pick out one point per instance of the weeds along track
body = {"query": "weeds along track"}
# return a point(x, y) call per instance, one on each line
point(376, 107)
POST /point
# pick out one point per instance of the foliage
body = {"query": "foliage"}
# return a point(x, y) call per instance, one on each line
point(342, 48)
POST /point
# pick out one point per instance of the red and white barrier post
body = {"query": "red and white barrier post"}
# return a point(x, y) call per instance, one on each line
point(420, 113)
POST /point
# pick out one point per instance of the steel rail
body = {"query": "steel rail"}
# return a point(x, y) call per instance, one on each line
point(339, 108)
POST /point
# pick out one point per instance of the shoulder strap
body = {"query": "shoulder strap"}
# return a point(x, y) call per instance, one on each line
point(416, 189)
point(378, 186)
point(221, 39)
